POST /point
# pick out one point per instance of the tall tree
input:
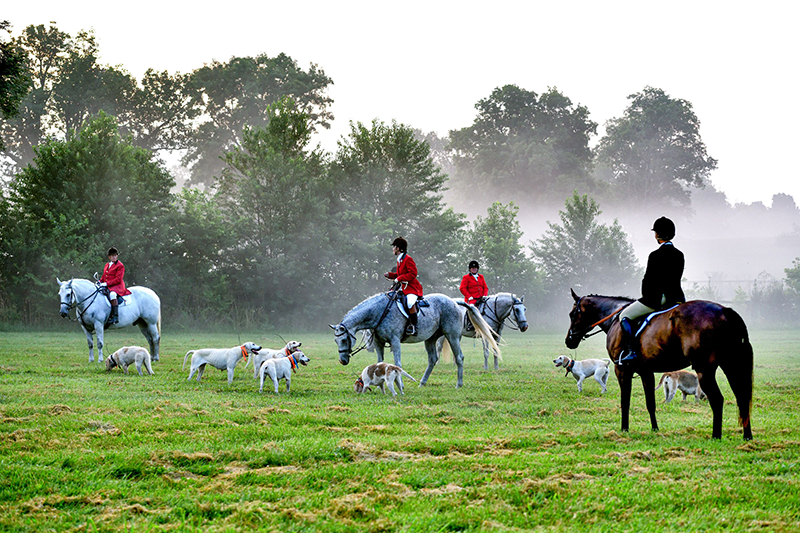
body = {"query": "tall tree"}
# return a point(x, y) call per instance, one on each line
point(522, 146)
point(585, 254)
point(238, 93)
point(84, 88)
point(15, 78)
point(45, 50)
point(161, 112)
point(272, 191)
point(495, 242)
point(654, 151)
point(386, 184)
point(80, 196)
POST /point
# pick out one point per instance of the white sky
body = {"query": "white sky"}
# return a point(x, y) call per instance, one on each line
point(426, 64)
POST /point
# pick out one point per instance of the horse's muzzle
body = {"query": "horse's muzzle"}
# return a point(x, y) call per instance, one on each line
point(523, 327)
point(63, 312)
point(572, 341)
point(344, 359)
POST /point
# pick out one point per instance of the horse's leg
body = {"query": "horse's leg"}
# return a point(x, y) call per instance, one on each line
point(740, 378)
point(150, 332)
point(708, 383)
point(394, 345)
point(648, 381)
point(379, 351)
point(486, 355)
point(90, 342)
point(486, 345)
point(99, 329)
point(624, 378)
point(458, 355)
point(433, 358)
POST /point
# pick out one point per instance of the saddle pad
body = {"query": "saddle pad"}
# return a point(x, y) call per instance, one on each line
point(650, 317)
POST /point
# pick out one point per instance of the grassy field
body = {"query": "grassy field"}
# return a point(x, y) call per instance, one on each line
point(514, 450)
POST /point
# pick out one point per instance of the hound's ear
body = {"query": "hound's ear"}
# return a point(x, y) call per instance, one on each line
point(574, 296)
point(58, 280)
point(332, 326)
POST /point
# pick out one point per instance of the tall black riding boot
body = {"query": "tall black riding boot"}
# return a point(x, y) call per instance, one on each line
point(411, 328)
point(628, 353)
point(114, 318)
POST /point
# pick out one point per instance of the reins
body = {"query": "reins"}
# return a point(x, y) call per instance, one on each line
point(590, 328)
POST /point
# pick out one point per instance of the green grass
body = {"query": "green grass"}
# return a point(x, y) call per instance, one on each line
point(514, 450)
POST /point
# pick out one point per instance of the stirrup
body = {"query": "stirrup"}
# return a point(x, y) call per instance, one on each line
point(411, 330)
point(627, 357)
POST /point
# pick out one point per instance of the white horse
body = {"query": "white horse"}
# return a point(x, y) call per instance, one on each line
point(381, 315)
point(142, 308)
point(497, 309)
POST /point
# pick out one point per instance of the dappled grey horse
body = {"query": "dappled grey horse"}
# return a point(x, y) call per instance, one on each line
point(142, 308)
point(496, 310)
point(381, 315)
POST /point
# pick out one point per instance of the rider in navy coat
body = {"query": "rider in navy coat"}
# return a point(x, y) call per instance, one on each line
point(661, 285)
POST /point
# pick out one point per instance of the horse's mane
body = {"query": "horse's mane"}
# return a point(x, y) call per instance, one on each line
point(623, 298)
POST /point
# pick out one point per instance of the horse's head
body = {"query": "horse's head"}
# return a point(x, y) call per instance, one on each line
point(344, 340)
point(578, 321)
point(518, 308)
point(66, 295)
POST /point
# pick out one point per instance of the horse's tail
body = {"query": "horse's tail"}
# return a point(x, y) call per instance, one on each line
point(660, 381)
point(185, 356)
point(740, 369)
point(447, 352)
point(482, 328)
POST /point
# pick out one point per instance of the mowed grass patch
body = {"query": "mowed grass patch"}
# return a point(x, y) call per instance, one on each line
point(514, 450)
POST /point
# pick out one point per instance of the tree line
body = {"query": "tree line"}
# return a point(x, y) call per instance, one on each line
point(273, 231)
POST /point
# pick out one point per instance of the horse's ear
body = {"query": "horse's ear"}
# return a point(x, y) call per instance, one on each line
point(58, 280)
point(574, 296)
point(522, 298)
point(332, 326)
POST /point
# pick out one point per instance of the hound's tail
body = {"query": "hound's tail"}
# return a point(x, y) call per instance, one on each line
point(406, 374)
point(482, 328)
point(661, 381)
point(185, 356)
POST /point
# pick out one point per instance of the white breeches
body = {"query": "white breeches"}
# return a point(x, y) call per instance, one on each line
point(411, 299)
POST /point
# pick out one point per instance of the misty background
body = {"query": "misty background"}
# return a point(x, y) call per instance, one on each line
point(210, 186)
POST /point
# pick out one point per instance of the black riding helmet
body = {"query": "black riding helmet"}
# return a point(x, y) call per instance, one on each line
point(474, 264)
point(112, 251)
point(665, 228)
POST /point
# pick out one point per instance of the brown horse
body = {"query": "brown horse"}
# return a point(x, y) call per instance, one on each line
point(702, 334)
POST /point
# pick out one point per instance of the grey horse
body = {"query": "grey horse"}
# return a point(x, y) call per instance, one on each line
point(495, 310)
point(381, 315)
point(92, 309)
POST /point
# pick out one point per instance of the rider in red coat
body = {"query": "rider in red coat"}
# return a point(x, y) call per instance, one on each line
point(473, 286)
point(113, 274)
point(406, 275)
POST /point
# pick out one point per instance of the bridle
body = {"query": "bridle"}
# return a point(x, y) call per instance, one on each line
point(349, 351)
point(507, 321)
point(76, 305)
point(350, 337)
point(585, 333)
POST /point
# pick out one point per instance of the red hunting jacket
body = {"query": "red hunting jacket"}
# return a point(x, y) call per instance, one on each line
point(407, 273)
point(472, 288)
point(112, 276)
